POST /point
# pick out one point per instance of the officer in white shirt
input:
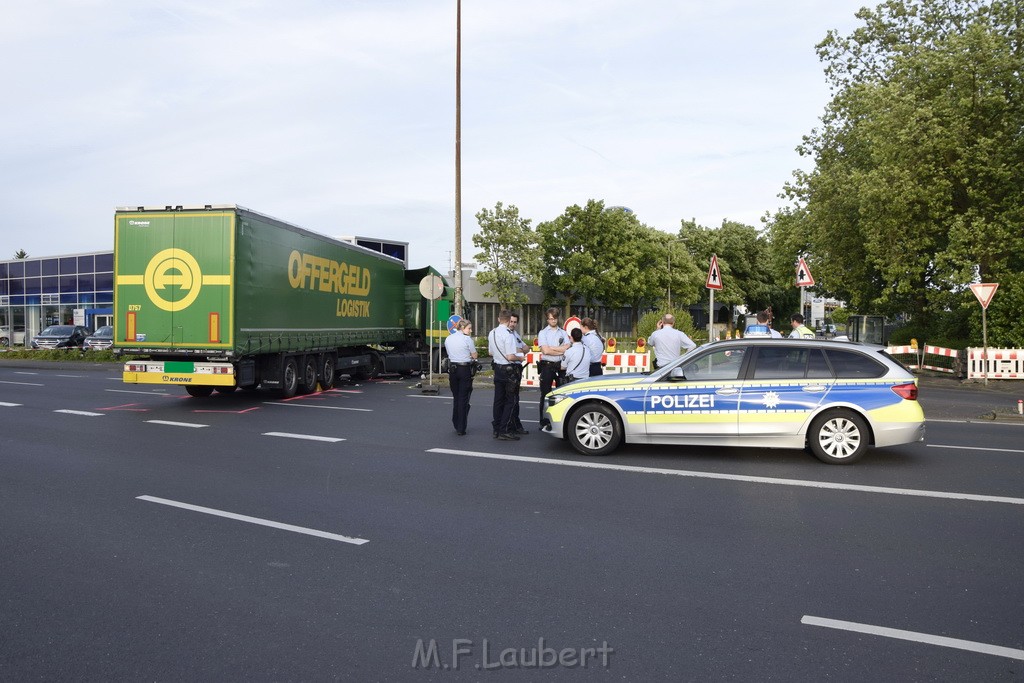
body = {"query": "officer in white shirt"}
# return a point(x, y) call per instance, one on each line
point(461, 356)
point(521, 347)
point(554, 342)
point(595, 344)
point(576, 362)
point(668, 342)
point(508, 368)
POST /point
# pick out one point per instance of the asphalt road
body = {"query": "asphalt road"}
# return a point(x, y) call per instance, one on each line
point(351, 535)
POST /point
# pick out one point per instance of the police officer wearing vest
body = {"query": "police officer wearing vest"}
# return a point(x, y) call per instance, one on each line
point(508, 369)
point(799, 329)
point(461, 356)
point(553, 342)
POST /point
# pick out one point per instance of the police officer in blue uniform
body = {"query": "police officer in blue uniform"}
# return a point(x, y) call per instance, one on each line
point(462, 355)
point(521, 347)
point(508, 367)
point(595, 344)
point(554, 342)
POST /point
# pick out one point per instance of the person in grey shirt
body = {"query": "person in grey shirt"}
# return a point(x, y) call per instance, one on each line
point(668, 342)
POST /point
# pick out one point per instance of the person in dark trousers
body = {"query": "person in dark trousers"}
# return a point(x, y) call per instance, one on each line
point(521, 347)
point(508, 367)
point(594, 342)
point(554, 342)
point(461, 356)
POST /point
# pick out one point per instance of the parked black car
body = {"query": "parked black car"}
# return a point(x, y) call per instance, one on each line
point(60, 337)
point(102, 338)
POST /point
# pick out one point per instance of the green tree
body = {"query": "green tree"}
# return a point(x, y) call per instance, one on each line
point(744, 258)
point(509, 257)
point(918, 186)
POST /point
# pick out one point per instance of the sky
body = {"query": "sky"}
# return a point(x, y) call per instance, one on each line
point(339, 115)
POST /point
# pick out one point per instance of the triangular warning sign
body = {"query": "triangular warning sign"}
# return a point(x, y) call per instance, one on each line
point(714, 275)
point(803, 274)
point(985, 291)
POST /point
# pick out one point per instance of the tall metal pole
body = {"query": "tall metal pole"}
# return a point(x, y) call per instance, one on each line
point(458, 157)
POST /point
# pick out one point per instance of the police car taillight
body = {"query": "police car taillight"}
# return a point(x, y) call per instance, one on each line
point(907, 391)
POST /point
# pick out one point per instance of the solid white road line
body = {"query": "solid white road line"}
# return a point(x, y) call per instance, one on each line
point(975, 448)
point(79, 412)
point(71, 376)
point(23, 384)
point(307, 405)
point(970, 645)
point(255, 520)
point(307, 437)
point(9, 405)
point(176, 424)
point(739, 477)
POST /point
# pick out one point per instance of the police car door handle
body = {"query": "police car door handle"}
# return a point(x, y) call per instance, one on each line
point(727, 391)
point(815, 388)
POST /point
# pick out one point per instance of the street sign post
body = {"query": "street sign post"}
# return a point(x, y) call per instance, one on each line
point(984, 291)
point(431, 287)
point(713, 282)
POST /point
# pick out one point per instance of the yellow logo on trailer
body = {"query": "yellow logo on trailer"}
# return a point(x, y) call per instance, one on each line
point(173, 268)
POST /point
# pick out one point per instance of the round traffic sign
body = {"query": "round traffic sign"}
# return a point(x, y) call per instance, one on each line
point(571, 323)
point(452, 322)
point(431, 287)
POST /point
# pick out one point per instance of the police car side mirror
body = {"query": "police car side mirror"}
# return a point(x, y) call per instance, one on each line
point(676, 375)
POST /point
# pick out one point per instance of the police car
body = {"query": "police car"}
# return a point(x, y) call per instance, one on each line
point(835, 398)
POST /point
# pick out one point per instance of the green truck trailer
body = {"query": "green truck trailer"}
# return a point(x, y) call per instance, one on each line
point(220, 297)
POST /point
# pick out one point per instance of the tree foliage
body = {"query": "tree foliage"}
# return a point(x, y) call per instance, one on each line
point(918, 186)
point(509, 258)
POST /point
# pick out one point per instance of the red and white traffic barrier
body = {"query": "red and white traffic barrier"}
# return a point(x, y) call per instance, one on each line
point(939, 351)
point(1001, 364)
point(614, 363)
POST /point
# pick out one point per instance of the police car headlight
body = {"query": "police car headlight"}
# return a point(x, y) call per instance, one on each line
point(555, 399)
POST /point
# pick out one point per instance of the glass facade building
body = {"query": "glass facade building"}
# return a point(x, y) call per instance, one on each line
point(73, 289)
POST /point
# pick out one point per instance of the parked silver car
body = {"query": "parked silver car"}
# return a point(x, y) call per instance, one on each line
point(102, 338)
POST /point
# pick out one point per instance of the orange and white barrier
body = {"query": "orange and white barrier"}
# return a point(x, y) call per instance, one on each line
point(1001, 364)
point(905, 351)
point(618, 363)
point(941, 352)
point(614, 364)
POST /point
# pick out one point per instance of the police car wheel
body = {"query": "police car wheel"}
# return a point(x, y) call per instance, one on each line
point(594, 429)
point(838, 437)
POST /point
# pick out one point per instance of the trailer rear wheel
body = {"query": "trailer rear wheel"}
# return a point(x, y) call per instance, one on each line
point(226, 390)
point(307, 379)
point(199, 392)
point(289, 378)
point(328, 371)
